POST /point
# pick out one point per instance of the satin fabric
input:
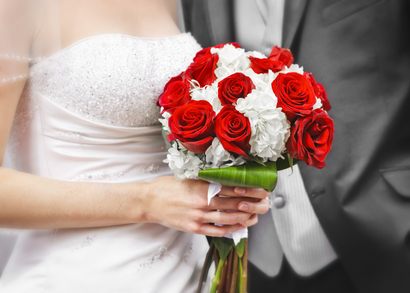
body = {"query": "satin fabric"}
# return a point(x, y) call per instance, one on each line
point(62, 145)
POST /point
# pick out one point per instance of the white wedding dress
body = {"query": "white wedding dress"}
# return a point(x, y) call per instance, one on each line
point(89, 113)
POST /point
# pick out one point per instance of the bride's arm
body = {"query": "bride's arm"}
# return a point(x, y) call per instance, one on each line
point(28, 201)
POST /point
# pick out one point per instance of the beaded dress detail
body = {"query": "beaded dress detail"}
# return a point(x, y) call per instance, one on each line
point(89, 113)
point(118, 83)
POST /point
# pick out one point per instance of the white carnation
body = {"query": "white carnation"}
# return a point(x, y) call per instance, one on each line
point(184, 163)
point(270, 128)
point(218, 157)
point(209, 94)
point(318, 104)
point(293, 68)
point(255, 54)
point(164, 121)
point(233, 58)
point(261, 80)
point(223, 71)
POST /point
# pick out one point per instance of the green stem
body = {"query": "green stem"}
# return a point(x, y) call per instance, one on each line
point(245, 268)
point(234, 273)
point(217, 278)
point(240, 272)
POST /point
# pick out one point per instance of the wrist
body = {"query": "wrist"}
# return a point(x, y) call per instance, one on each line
point(149, 195)
point(141, 210)
point(132, 207)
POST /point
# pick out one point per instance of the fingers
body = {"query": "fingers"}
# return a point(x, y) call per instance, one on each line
point(260, 207)
point(225, 218)
point(218, 231)
point(244, 192)
point(228, 203)
point(253, 220)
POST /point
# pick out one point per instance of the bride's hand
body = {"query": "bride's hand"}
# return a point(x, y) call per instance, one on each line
point(183, 205)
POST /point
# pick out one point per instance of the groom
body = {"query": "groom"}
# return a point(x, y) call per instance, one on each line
point(346, 227)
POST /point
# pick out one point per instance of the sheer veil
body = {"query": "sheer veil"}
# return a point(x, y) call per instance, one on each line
point(29, 33)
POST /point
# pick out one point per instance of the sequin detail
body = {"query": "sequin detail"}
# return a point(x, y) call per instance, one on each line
point(104, 175)
point(23, 117)
point(10, 232)
point(151, 169)
point(21, 58)
point(158, 256)
point(13, 79)
point(70, 134)
point(114, 79)
point(187, 254)
point(88, 241)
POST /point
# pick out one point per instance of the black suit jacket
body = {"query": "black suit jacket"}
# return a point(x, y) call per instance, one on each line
point(360, 51)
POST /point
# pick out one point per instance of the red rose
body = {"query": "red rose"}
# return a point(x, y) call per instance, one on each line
point(319, 90)
point(233, 130)
point(234, 87)
point(259, 65)
point(311, 138)
point(235, 44)
point(283, 55)
point(193, 125)
point(295, 94)
point(176, 94)
point(203, 67)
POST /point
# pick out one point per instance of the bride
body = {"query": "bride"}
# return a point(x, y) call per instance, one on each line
point(81, 151)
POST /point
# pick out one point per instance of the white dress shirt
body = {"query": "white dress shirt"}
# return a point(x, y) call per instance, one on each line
point(302, 240)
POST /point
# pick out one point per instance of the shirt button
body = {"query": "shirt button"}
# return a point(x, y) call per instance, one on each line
point(279, 202)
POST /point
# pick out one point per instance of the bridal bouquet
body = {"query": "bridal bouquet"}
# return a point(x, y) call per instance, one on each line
point(234, 118)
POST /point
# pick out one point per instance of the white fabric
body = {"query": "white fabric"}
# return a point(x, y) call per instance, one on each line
point(50, 139)
point(303, 241)
point(259, 25)
point(213, 189)
point(7, 240)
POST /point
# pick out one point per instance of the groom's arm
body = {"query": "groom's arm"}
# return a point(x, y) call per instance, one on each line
point(361, 53)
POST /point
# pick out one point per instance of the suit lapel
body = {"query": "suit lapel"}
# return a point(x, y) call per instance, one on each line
point(293, 15)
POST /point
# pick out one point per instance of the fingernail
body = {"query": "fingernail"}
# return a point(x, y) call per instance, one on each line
point(244, 207)
point(240, 190)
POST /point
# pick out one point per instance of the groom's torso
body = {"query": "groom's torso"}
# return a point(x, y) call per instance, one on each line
point(362, 196)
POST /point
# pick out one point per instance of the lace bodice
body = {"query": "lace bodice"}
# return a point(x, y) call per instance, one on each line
point(113, 79)
point(109, 79)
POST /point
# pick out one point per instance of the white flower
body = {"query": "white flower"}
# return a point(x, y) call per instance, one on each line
point(270, 128)
point(261, 80)
point(293, 68)
point(232, 58)
point(209, 94)
point(218, 157)
point(164, 121)
point(184, 163)
point(318, 104)
point(223, 71)
point(255, 54)
point(194, 84)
